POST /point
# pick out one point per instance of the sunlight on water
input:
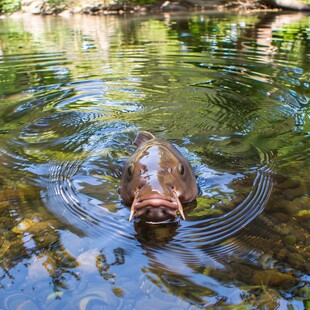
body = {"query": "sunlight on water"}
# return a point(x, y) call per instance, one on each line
point(231, 92)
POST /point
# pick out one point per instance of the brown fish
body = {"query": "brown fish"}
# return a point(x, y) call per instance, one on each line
point(156, 180)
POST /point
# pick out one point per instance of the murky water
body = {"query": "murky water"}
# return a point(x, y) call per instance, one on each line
point(230, 91)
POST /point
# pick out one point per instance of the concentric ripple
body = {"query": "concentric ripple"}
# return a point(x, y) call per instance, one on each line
point(82, 213)
point(211, 231)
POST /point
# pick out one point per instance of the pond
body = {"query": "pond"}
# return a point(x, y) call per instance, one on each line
point(230, 91)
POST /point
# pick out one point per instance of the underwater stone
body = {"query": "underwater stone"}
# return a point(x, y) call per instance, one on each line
point(290, 240)
point(273, 278)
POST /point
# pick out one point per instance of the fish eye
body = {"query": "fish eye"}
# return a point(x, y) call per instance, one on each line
point(181, 168)
point(169, 170)
point(130, 169)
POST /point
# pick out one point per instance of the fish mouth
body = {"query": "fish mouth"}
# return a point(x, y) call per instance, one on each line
point(156, 209)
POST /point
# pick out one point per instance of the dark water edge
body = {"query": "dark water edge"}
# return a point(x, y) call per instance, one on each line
point(230, 91)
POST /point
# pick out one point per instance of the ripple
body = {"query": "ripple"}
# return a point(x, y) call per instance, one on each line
point(21, 301)
point(81, 212)
point(40, 58)
point(49, 129)
point(211, 231)
point(82, 193)
point(41, 99)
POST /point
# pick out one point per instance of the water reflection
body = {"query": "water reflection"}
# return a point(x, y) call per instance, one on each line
point(231, 92)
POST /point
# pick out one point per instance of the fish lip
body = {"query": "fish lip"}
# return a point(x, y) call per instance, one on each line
point(171, 203)
point(156, 202)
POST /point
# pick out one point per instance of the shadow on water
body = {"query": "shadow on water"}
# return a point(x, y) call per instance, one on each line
point(231, 92)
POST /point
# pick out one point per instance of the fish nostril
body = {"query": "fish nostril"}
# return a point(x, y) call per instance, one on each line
point(172, 187)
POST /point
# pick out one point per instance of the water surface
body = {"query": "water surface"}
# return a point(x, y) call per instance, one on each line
point(230, 91)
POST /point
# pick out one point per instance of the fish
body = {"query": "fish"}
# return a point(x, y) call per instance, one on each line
point(157, 180)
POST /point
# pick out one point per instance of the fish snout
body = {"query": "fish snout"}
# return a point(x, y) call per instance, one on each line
point(156, 214)
point(152, 206)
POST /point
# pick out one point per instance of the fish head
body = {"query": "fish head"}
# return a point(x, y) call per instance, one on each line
point(156, 180)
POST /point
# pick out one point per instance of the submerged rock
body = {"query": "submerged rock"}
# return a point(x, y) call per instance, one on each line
point(273, 278)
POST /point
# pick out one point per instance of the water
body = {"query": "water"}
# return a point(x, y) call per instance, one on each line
point(230, 91)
